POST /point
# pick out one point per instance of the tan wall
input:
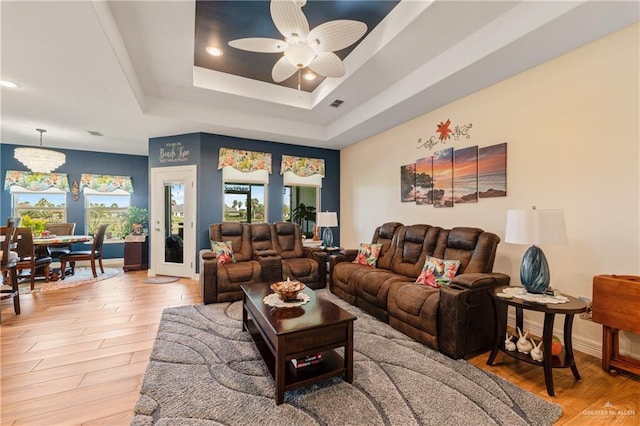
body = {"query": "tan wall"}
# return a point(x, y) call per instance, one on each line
point(572, 132)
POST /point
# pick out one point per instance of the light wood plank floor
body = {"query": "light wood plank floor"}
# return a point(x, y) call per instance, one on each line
point(77, 356)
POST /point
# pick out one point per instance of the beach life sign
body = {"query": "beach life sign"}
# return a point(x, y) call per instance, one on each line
point(173, 152)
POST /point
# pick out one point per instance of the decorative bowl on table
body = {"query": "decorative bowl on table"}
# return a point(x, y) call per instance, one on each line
point(287, 290)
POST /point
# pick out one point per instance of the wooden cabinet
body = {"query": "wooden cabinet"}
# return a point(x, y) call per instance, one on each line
point(615, 305)
point(136, 254)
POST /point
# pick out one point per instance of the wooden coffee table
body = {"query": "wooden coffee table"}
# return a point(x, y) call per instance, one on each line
point(282, 334)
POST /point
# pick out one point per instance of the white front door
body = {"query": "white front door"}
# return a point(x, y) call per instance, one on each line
point(173, 221)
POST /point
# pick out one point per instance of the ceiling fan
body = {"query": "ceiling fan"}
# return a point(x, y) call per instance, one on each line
point(303, 48)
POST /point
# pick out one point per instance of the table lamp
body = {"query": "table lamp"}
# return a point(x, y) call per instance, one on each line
point(535, 226)
point(327, 220)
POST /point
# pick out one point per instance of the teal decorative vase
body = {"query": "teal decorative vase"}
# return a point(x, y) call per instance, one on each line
point(534, 272)
point(327, 237)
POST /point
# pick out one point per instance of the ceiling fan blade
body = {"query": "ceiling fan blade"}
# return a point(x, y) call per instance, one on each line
point(327, 64)
point(336, 35)
point(282, 70)
point(259, 44)
point(289, 19)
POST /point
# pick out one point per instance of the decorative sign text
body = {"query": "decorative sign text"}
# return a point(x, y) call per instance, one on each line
point(173, 152)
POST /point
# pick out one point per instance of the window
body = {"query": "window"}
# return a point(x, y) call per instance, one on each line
point(302, 204)
point(244, 202)
point(111, 208)
point(49, 205)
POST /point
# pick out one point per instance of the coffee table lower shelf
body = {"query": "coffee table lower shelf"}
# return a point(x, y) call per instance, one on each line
point(332, 364)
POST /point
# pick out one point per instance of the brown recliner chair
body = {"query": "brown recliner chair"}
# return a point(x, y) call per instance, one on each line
point(221, 283)
point(343, 270)
point(299, 263)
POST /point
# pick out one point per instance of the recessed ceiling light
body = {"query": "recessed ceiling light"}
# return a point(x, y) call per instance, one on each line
point(214, 51)
point(309, 76)
point(6, 83)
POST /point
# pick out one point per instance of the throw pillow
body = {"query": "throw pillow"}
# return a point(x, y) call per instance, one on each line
point(368, 254)
point(223, 252)
point(437, 272)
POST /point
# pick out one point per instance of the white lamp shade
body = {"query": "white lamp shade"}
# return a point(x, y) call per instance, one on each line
point(544, 226)
point(327, 219)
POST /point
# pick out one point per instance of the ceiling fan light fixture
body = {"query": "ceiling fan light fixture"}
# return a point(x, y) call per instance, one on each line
point(214, 51)
point(309, 75)
point(39, 160)
point(300, 55)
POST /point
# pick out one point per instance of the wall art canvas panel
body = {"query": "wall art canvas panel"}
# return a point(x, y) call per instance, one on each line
point(424, 181)
point(492, 171)
point(465, 175)
point(443, 178)
point(408, 183)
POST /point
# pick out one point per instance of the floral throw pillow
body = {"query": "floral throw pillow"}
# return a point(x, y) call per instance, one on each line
point(223, 252)
point(437, 272)
point(368, 254)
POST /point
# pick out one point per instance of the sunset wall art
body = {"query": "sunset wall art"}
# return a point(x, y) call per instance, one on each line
point(460, 176)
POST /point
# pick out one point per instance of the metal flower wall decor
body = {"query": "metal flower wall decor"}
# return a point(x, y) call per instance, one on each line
point(444, 134)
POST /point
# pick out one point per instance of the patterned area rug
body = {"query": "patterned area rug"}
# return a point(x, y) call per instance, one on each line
point(82, 276)
point(205, 370)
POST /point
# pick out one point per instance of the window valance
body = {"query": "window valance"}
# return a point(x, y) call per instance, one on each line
point(244, 161)
point(105, 183)
point(302, 166)
point(36, 181)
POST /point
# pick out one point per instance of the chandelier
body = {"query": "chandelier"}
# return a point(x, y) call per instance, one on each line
point(39, 160)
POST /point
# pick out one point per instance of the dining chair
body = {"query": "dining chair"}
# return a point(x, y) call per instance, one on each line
point(60, 229)
point(8, 262)
point(28, 259)
point(92, 255)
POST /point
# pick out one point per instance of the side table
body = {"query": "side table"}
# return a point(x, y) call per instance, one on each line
point(136, 253)
point(565, 359)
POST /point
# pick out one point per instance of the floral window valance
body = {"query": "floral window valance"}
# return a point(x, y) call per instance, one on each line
point(36, 181)
point(106, 183)
point(302, 166)
point(244, 161)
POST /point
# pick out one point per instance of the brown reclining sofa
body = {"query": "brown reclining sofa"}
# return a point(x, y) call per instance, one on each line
point(263, 253)
point(456, 319)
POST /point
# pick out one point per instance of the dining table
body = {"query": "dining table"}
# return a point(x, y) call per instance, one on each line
point(54, 240)
point(42, 245)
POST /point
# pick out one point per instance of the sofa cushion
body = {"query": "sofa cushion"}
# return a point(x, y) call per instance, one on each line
point(231, 275)
point(368, 254)
point(223, 252)
point(302, 269)
point(437, 272)
point(416, 305)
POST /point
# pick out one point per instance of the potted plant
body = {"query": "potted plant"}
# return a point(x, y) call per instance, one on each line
point(38, 225)
point(302, 215)
point(137, 220)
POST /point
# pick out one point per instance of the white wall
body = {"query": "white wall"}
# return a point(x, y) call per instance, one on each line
point(572, 132)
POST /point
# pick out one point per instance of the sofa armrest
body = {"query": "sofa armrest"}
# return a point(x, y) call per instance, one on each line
point(208, 276)
point(466, 321)
point(270, 264)
point(264, 253)
point(207, 254)
point(480, 280)
point(321, 257)
point(346, 255)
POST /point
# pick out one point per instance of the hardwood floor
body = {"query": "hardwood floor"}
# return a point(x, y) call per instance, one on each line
point(77, 356)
